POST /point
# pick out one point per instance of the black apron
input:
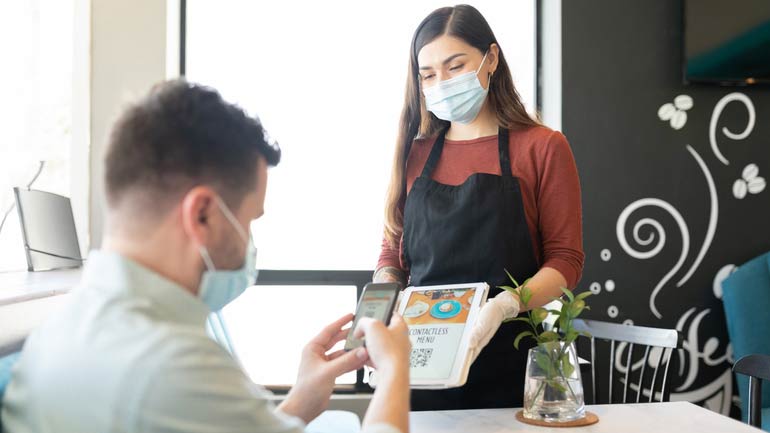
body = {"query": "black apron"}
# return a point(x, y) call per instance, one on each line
point(468, 233)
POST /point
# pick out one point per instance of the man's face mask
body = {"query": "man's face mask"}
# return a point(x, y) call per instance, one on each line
point(218, 287)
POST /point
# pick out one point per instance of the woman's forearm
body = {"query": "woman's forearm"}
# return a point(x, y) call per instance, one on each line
point(546, 284)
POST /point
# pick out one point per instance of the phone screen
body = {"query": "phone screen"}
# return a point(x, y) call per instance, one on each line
point(377, 302)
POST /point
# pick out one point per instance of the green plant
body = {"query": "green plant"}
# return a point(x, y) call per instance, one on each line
point(553, 359)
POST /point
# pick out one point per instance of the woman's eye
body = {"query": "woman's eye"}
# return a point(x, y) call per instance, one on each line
point(427, 77)
point(456, 68)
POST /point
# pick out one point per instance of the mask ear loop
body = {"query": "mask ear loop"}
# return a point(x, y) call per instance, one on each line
point(483, 59)
point(206, 258)
point(230, 217)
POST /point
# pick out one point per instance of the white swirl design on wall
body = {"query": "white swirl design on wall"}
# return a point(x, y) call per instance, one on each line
point(717, 113)
point(713, 216)
point(661, 239)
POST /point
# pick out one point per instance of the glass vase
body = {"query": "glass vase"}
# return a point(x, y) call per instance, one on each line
point(553, 390)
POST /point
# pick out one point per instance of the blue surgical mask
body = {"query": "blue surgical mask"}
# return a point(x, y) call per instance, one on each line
point(457, 99)
point(219, 287)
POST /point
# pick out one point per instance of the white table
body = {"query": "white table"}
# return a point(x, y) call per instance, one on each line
point(27, 299)
point(24, 286)
point(675, 417)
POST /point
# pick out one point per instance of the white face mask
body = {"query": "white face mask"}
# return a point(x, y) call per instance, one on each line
point(457, 99)
point(220, 287)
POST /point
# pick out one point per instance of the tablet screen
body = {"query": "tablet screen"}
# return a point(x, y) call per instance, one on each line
point(436, 320)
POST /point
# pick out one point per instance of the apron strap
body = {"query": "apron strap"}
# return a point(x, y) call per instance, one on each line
point(435, 155)
point(438, 146)
point(504, 152)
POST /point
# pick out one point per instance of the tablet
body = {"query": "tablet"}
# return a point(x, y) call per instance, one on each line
point(440, 319)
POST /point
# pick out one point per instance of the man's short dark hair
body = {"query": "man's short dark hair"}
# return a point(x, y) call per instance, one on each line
point(182, 135)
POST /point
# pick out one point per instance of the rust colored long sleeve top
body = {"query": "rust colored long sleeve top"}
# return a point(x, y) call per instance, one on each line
point(543, 162)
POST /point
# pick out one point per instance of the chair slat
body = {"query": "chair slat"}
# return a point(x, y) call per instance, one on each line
point(612, 365)
point(628, 371)
point(670, 353)
point(641, 376)
point(654, 377)
point(593, 369)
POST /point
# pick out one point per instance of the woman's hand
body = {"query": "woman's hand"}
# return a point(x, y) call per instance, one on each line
point(502, 307)
point(319, 369)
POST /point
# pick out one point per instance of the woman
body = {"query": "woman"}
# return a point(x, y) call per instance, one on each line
point(478, 186)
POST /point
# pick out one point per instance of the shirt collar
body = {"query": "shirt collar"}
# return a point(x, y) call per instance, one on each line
point(111, 271)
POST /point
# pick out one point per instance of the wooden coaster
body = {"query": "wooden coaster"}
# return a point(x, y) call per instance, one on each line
point(590, 418)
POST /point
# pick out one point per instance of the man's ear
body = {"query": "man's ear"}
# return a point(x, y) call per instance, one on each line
point(198, 209)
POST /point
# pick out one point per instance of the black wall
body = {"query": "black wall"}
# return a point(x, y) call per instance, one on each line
point(621, 62)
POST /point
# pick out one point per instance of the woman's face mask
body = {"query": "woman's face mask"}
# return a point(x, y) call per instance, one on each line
point(457, 99)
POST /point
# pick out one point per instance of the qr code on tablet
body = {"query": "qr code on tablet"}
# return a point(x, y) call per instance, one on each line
point(420, 357)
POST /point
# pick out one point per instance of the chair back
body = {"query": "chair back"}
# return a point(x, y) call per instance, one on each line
point(746, 300)
point(757, 368)
point(637, 361)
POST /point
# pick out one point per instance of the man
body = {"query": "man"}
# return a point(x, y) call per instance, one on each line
point(186, 173)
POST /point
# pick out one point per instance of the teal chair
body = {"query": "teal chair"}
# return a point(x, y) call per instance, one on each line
point(6, 365)
point(746, 296)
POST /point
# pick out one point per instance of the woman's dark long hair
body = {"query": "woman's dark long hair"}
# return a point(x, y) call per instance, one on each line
point(464, 22)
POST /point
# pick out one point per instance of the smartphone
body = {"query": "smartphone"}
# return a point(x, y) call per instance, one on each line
point(377, 301)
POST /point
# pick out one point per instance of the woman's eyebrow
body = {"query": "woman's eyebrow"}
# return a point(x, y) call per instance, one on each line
point(447, 60)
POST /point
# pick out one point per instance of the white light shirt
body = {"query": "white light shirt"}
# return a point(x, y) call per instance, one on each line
point(130, 353)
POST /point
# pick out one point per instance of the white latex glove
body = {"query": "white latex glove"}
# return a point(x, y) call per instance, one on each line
point(502, 307)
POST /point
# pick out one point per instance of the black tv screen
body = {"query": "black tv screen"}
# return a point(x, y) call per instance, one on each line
point(727, 41)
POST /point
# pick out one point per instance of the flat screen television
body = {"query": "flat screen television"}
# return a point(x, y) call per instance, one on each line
point(727, 41)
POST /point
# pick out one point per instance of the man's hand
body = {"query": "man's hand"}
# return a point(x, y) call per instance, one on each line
point(388, 347)
point(318, 371)
point(502, 307)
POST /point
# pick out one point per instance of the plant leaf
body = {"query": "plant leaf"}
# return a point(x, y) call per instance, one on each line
point(556, 385)
point(562, 300)
point(570, 295)
point(512, 279)
point(570, 337)
point(544, 362)
point(525, 295)
point(566, 366)
point(520, 336)
point(576, 308)
point(548, 336)
point(538, 315)
point(583, 295)
point(518, 319)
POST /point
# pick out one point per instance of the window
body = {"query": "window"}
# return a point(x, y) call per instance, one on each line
point(36, 138)
point(327, 80)
point(268, 326)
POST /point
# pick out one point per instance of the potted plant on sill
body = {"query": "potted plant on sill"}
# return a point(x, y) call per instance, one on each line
point(553, 390)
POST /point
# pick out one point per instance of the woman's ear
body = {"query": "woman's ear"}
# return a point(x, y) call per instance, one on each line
point(198, 208)
point(493, 58)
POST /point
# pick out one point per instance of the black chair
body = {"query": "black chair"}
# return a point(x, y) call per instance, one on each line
point(757, 368)
point(648, 347)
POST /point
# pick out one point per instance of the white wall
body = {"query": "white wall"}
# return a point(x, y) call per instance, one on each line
point(128, 55)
